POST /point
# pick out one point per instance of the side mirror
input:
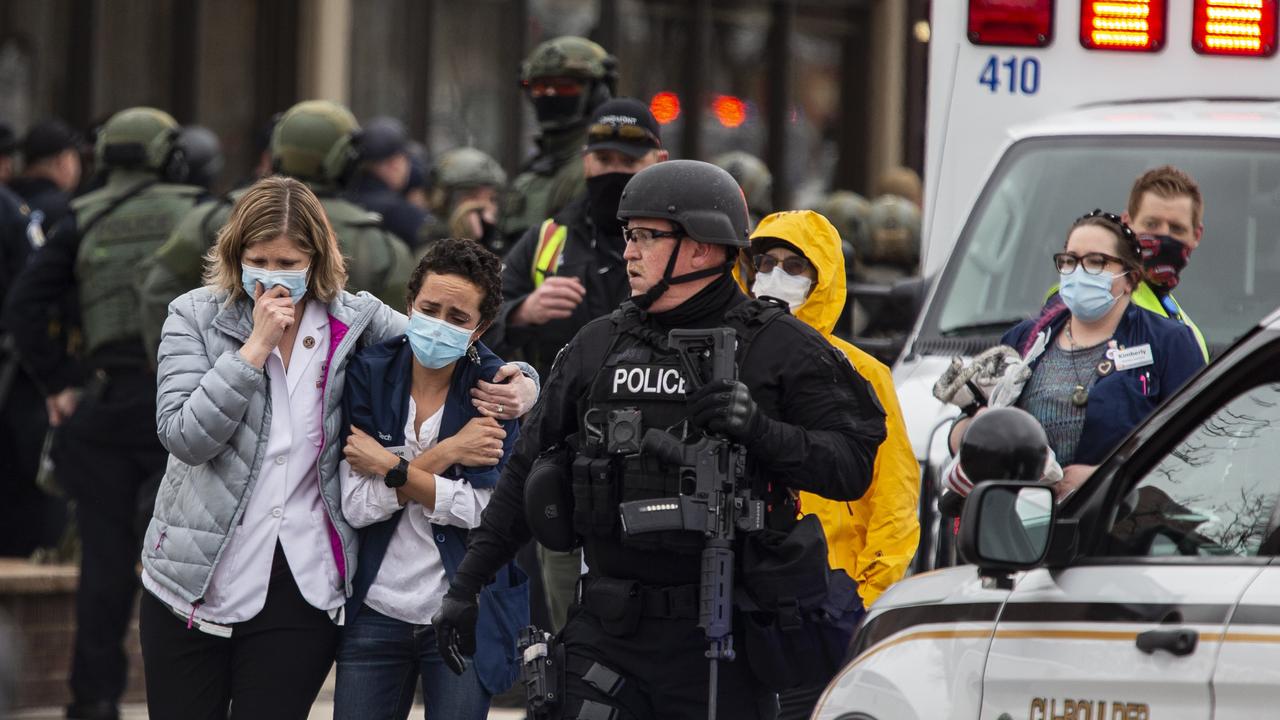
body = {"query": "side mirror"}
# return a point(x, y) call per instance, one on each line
point(1006, 526)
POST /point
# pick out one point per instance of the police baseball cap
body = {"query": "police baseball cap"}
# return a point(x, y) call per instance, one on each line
point(48, 138)
point(625, 125)
point(381, 138)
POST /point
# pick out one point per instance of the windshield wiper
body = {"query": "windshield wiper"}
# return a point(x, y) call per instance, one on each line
point(985, 327)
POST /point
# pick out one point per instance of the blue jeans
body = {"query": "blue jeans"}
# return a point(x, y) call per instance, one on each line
point(380, 660)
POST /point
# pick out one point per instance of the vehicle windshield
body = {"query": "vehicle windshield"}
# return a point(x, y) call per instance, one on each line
point(1002, 270)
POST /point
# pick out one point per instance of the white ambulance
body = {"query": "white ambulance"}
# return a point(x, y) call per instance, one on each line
point(1152, 593)
point(1040, 111)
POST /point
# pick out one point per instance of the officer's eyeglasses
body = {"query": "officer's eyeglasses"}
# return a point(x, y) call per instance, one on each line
point(793, 265)
point(1094, 263)
point(645, 237)
point(603, 132)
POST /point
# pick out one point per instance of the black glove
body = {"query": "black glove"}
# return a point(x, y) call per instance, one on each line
point(725, 407)
point(455, 626)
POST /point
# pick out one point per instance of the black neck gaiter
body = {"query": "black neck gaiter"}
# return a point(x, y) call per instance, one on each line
point(604, 192)
point(706, 308)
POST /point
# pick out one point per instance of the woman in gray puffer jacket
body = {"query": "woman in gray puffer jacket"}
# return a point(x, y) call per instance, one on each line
point(247, 560)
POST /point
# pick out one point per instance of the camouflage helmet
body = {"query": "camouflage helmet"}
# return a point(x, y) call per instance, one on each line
point(893, 227)
point(569, 56)
point(315, 140)
point(849, 212)
point(139, 137)
point(753, 177)
point(901, 181)
point(466, 167)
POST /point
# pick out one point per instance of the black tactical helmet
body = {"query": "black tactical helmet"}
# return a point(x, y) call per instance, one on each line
point(1004, 444)
point(202, 155)
point(703, 199)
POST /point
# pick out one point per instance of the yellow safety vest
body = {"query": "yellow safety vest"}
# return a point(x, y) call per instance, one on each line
point(1147, 299)
point(546, 256)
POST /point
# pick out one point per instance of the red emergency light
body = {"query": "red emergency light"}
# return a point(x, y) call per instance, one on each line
point(1234, 27)
point(729, 110)
point(1122, 25)
point(665, 107)
point(1020, 23)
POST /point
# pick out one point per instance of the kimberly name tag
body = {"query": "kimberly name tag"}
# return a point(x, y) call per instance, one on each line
point(1134, 357)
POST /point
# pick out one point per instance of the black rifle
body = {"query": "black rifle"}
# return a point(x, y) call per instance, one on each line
point(713, 502)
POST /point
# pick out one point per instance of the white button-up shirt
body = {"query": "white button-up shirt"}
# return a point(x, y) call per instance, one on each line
point(411, 579)
point(285, 503)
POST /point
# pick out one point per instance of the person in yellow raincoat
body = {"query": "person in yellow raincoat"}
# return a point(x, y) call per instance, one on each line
point(796, 257)
point(875, 537)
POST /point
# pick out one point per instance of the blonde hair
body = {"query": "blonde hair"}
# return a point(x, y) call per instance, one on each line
point(272, 207)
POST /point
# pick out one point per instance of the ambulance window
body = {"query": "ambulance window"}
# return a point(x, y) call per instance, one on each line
point(1001, 270)
point(1215, 494)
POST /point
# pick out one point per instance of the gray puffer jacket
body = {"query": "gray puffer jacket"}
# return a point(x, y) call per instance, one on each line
point(213, 414)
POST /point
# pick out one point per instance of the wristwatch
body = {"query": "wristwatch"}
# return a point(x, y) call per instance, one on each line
point(398, 475)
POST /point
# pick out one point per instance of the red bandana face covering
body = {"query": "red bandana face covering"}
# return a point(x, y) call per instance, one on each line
point(1163, 257)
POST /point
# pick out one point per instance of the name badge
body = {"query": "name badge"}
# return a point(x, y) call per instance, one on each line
point(1134, 357)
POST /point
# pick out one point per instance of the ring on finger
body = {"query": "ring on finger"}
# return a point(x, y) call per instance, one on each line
point(501, 407)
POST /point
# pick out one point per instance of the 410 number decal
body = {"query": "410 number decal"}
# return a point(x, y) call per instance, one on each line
point(1014, 75)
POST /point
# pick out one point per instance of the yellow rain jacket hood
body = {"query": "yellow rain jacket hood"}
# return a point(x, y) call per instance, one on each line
point(875, 537)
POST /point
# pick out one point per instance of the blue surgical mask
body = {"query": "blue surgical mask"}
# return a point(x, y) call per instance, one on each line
point(436, 343)
point(1088, 297)
point(295, 281)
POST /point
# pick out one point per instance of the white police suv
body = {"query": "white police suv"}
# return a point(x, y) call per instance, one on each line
point(1152, 593)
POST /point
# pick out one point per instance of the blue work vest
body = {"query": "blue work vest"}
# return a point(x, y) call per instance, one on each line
point(376, 400)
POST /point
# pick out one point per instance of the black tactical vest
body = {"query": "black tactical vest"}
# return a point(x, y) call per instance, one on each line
point(641, 385)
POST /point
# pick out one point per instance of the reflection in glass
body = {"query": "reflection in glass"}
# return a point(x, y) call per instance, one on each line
point(1014, 523)
point(1215, 494)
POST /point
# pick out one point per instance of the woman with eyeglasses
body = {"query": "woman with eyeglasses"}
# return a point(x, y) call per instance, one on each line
point(1099, 363)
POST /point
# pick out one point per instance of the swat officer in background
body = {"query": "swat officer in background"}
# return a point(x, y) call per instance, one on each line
point(466, 188)
point(753, 177)
point(106, 444)
point(633, 648)
point(565, 79)
point(31, 518)
point(383, 175)
point(316, 141)
point(569, 270)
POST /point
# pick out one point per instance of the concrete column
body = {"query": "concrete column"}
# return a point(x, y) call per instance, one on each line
point(324, 50)
point(887, 91)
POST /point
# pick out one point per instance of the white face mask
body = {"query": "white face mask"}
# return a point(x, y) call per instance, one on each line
point(790, 289)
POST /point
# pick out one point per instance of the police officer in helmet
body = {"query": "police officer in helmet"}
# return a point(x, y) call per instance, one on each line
point(317, 142)
point(106, 444)
point(565, 79)
point(466, 189)
point(632, 646)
